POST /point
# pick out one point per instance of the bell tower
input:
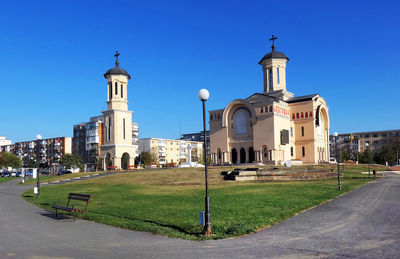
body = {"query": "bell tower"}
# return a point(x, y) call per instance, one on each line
point(117, 126)
point(274, 69)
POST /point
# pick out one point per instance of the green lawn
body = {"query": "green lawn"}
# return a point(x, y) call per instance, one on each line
point(168, 202)
point(5, 179)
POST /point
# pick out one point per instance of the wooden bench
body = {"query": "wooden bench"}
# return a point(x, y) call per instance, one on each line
point(82, 206)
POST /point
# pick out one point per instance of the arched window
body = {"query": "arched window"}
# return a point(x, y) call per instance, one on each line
point(293, 116)
point(277, 75)
point(219, 154)
point(297, 115)
point(211, 117)
point(122, 91)
point(262, 110)
point(241, 122)
point(306, 114)
point(270, 108)
point(110, 90)
point(219, 116)
point(303, 151)
point(302, 115)
point(116, 88)
point(310, 114)
point(302, 131)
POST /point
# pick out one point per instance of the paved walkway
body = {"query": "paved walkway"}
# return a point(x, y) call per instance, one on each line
point(364, 224)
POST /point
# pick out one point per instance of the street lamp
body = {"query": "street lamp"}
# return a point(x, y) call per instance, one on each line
point(203, 96)
point(367, 153)
point(337, 160)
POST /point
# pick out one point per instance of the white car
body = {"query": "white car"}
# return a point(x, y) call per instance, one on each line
point(332, 160)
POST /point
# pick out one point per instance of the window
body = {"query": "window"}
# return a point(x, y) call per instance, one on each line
point(291, 131)
point(116, 88)
point(297, 115)
point(241, 122)
point(303, 151)
point(302, 131)
point(291, 151)
point(262, 110)
point(211, 117)
point(123, 127)
point(270, 78)
point(122, 91)
point(277, 75)
point(293, 116)
point(219, 116)
point(306, 114)
point(270, 108)
point(302, 115)
point(110, 90)
point(310, 114)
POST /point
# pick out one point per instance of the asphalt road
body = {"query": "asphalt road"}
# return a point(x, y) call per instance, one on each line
point(362, 224)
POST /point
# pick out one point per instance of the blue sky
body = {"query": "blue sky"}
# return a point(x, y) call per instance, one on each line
point(54, 54)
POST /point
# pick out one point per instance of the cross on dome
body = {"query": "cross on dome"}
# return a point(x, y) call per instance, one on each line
point(116, 58)
point(273, 42)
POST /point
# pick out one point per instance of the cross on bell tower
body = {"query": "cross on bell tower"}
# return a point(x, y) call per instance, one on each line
point(273, 42)
point(116, 57)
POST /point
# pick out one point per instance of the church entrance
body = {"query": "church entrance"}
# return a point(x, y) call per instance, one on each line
point(242, 156)
point(234, 156)
point(125, 161)
point(251, 155)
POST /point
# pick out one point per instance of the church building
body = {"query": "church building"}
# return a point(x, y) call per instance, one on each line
point(271, 127)
point(117, 150)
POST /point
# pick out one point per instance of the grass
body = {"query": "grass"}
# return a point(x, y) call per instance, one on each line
point(168, 202)
point(5, 179)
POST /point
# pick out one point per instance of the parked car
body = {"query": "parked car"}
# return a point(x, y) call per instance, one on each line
point(6, 174)
point(64, 172)
point(18, 174)
point(332, 160)
point(29, 173)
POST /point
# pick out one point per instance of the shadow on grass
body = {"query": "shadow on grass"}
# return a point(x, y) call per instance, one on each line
point(177, 228)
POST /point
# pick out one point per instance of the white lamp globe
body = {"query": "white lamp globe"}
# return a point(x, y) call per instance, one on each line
point(335, 134)
point(203, 94)
point(38, 136)
point(366, 144)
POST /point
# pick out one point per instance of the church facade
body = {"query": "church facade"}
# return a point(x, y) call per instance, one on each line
point(117, 150)
point(271, 127)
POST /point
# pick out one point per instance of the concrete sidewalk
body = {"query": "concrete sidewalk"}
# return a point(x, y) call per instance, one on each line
point(364, 224)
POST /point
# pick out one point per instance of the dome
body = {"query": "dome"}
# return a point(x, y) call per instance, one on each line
point(117, 71)
point(274, 54)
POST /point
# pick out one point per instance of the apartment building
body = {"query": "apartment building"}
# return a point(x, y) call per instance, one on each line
point(88, 137)
point(46, 150)
point(198, 136)
point(4, 141)
point(358, 141)
point(172, 150)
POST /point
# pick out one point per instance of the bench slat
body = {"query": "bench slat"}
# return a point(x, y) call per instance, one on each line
point(62, 208)
point(80, 195)
point(78, 198)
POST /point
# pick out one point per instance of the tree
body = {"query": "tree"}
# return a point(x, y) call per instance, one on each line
point(71, 161)
point(8, 159)
point(344, 155)
point(385, 154)
point(31, 163)
point(147, 158)
point(365, 157)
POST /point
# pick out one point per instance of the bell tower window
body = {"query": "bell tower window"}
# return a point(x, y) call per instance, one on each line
point(122, 91)
point(116, 88)
point(110, 90)
point(270, 79)
point(277, 75)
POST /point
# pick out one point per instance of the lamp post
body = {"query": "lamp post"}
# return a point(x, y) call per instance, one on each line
point(337, 161)
point(39, 138)
point(369, 171)
point(203, 96)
